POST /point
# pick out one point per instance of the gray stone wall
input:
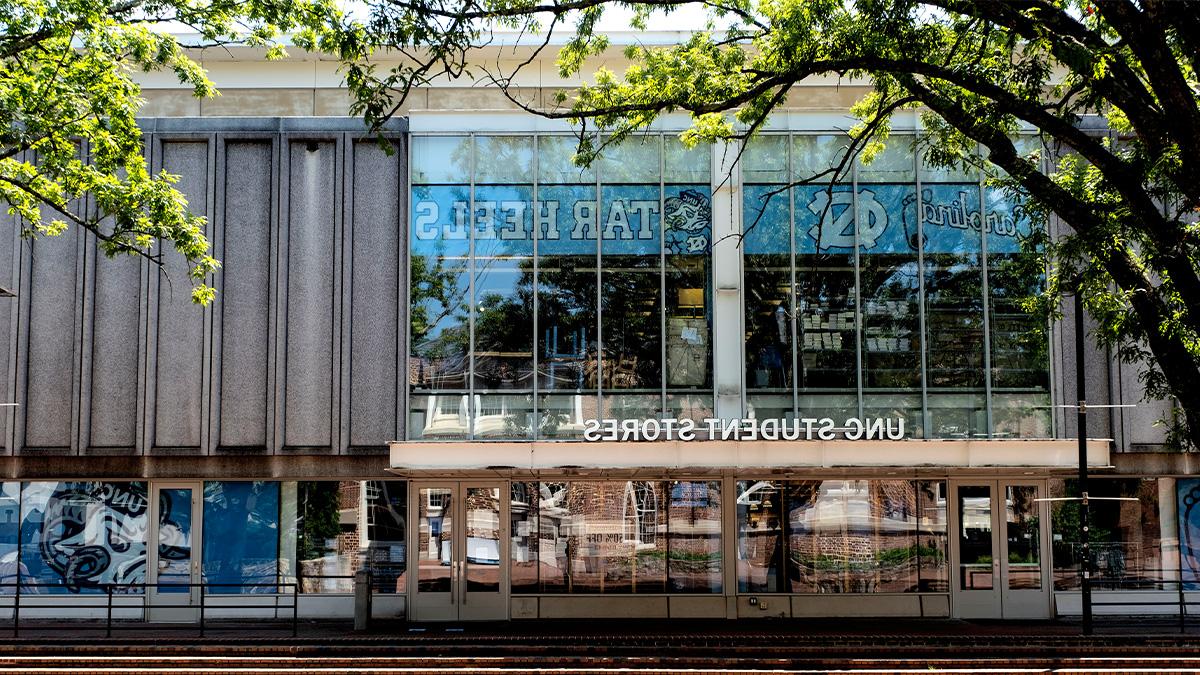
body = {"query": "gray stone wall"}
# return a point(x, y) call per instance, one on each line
point(300, 353)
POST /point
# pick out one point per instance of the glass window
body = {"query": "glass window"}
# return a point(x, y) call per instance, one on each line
point(760, 536)
point(523, 513)
point(241, 536)
point(78, 536)
point(1019, 340)
point(10, 537)
point(767, 277)
point(842, 536)
point(440, 301)
point(1132, 547)
point(529, 298)
point(891, 286)
point(694, 537)
point(603, 537)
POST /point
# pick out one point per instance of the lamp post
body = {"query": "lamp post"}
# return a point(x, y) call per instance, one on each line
point(1081, 432)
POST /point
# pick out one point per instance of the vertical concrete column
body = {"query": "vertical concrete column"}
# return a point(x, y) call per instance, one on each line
point(1168, 528)
point(362, 600)
point(728, 351)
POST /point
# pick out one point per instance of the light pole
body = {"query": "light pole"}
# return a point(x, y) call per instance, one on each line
point(1081, 432)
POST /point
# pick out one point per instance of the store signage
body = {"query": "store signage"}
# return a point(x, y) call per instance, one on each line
point(802, 429)
point(567, 220)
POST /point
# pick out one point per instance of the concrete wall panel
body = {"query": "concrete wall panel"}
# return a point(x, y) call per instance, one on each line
point(244, 303)
point(179, 348)
point(51, 297)
point(9, 247)
point(312, 244)
point(374, 295)
point(116, 320)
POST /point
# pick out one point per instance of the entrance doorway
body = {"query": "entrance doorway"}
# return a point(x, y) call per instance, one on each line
point(174, 564)
point(461, 546)
point(999, 549)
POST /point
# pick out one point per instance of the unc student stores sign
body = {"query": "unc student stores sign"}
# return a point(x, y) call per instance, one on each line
point(804, 428)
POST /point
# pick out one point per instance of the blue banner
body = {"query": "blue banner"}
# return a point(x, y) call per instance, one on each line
point(627, 221)
point(886, 220)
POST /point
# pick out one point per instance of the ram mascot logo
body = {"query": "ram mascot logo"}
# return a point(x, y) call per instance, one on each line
point(94, 534)
point(689, 223)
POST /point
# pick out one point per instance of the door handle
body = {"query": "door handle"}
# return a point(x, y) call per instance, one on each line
point(463, 576)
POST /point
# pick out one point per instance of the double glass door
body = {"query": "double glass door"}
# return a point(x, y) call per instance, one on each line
point(999, 553)
point(461, 546)
point(174, 565)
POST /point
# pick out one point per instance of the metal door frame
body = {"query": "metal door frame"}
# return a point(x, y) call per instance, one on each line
point(160, 605)
point(457, 606)
point(1004, 605)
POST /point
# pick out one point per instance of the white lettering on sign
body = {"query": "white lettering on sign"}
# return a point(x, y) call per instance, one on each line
point(805, 428)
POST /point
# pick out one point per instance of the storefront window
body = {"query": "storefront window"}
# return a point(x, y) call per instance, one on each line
point(541, 289)
point(616, 537)
point(241, 536)
point(694, 537)
point(340, 528)
point(76, 537)
point(1132, 547)
point(10, 537)
point(841, 536)
point(868, 293)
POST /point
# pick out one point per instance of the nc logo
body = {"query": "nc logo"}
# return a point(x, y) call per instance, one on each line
point(836, 229)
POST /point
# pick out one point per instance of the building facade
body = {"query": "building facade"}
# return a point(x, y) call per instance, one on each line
point(458, 361)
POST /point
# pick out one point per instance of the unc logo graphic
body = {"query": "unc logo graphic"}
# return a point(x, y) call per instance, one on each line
point(688, 218)
point(836, 228)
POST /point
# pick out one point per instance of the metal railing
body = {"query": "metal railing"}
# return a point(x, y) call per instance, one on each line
point(178, 596)
point(1178, 588)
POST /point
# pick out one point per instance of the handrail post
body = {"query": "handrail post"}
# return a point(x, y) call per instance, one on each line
point(108, 622)
point(1182, 606)
point(295, 609)
point(202, 594)
point(17, 607)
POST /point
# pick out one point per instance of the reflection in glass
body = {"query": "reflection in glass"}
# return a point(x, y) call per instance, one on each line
point(954, 310)
point(694, 537)
point(483, 540)
point(241, 536)
point(760, 536)
point(1023, 531)
point(975, 556)
point(1019, 339)
point(561, 416)
point(603, 537)
point(933, 549)
point(435, 540)
point(1133, 545)
point(523, 515)
point(768, 296)
point(175, 539)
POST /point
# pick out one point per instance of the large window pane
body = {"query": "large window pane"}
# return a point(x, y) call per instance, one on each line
point(241, 536)
point(10, 535)
point(891, 285)
point(523, 514)
point(440, 301)
point(760, 536)
point(78, 536)
point(1019, 340)
point(768, 290)
point(1131, 547)
point(694, 531)
point(954, 310)
point(688, 283)
point(603, 537)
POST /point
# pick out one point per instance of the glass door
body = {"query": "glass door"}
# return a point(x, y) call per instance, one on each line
point(1000, 537)
point(174, 564)
point(460, 557)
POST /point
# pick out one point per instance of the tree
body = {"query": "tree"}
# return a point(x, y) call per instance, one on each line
point(1109, 85)
point(70, 149)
